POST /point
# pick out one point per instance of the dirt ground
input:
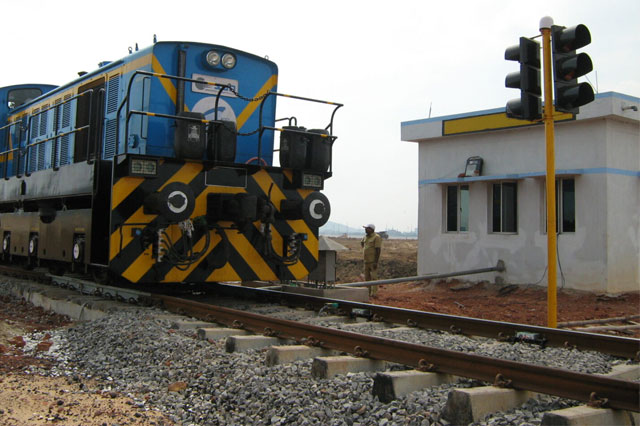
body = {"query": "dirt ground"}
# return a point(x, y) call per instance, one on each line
point(525, 304)
point(29, 399)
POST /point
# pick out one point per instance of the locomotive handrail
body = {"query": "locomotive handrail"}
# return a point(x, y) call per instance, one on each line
point(76, 130)
point(158, 75)
point(5, 154)
point(155, 114)
point(97, 152)
point(8, 151)
point(28, 144)
point(302, 132)
point(6, 162)
point(58, 135)
point(55, 142)
point(262, 99)
point(66, 101)
point(329, 126)
point(11, 123)
point(289, 119)
point(89, 120)
point(262, 128)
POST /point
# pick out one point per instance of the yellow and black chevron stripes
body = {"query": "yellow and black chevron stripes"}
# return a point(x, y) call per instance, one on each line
point(167, 83)
point(244, 115)
point(230, 255)
point(251, 107)
point(270, 189)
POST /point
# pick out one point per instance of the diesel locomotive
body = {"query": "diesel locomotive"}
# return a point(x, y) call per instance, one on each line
point(159, 168)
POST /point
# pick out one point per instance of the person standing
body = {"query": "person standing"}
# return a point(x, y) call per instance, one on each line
point(372, 246)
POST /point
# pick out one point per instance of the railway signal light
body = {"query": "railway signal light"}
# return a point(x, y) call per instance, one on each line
point(529, 106)
point(569, 65)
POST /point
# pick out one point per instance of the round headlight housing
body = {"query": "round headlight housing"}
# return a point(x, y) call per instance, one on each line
point(228, 61)
point(213, 58)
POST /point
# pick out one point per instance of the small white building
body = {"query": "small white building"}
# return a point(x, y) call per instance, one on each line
point(482, 195)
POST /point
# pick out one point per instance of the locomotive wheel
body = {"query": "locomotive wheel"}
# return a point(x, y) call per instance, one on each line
point(32, 252)
point(33, 246)
point(6, 245)
point(78, 250)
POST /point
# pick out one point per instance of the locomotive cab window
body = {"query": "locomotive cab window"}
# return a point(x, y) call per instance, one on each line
point(19, 97)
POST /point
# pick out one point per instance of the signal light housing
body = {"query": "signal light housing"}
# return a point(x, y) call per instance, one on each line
point(529, 105)
point(568, 66)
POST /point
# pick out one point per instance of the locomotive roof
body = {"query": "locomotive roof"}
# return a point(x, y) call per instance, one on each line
point(127, 59)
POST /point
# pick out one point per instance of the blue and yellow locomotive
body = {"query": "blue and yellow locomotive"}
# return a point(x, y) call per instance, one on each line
point(158, 168)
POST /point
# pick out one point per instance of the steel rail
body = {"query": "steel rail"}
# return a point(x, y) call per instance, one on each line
point(612, 393)
point(28, 274)
point(614, 345)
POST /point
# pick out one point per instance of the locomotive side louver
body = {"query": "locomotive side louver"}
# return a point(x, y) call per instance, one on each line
point(110, 136)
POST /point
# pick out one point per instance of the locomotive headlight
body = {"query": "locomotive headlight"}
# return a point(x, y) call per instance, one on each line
point(213, 58)
point(228, 61)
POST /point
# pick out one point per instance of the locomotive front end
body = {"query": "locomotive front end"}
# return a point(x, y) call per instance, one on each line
point(196, 196)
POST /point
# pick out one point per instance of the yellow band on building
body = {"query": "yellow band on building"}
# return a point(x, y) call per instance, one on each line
point(494, 121)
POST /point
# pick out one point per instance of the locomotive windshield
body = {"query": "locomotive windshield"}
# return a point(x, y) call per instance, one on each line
point(19, 97)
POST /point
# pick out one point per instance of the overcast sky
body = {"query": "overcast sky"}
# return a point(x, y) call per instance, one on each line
point(387, 62)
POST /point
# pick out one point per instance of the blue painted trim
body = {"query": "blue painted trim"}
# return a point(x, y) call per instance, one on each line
point(515, 176)
point(617, 95)
point(499, 110)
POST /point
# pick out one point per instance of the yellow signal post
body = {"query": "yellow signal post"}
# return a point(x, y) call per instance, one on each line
point(552, 303)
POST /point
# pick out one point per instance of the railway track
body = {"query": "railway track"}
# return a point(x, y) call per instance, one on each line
point(505, 331)
point(620, 394)
point(614, 345)
point(619, 324)
point(595, 389)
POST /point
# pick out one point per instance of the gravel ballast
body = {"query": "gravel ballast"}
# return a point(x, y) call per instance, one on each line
point(197, 383)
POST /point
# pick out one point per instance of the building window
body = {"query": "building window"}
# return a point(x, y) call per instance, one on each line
point(504, 207)
point(457, 208)
point(565, 206)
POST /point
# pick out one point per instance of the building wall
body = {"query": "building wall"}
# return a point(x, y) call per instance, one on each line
point(603, 254)
point(623, 199)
